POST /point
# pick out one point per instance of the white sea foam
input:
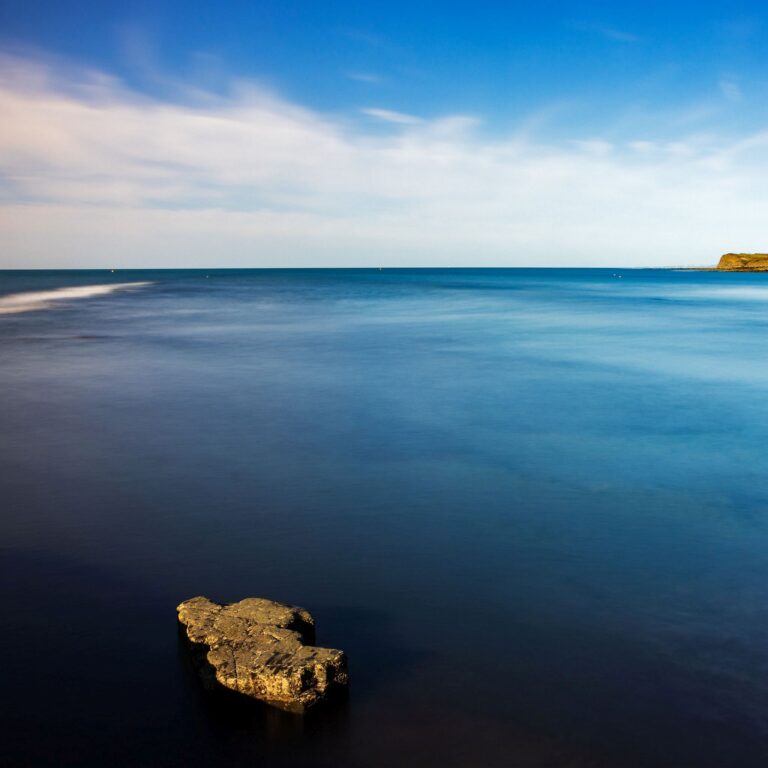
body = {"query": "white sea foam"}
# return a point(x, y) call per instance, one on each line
point(34, 300)
point(748, 293)
point(722, 293)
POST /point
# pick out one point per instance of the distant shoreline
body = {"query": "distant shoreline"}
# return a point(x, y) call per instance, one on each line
point(743, 262)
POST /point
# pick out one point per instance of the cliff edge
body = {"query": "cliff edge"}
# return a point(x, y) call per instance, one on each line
point(743, 262)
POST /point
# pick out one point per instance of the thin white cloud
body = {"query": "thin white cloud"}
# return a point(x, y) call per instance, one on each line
point(92, 174)
point(730, 89)
point(618, 35)
point(608, 32)
point(594, 147)
point(362, 36)
point(365, 77)
point(390, 116)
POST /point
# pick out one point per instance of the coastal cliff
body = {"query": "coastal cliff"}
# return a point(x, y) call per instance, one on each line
point(743, 262)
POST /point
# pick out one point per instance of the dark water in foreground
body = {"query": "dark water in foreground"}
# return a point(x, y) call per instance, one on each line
point(531, 505)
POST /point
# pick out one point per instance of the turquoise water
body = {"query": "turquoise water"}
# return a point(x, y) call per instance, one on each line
point(532, 506)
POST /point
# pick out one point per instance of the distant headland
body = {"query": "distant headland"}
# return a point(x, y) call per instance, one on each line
point(743, 262)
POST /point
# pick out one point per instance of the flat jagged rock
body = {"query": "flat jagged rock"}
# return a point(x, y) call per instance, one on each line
point(264, 650)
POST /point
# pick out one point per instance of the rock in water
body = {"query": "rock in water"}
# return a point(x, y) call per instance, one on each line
point(263, 649)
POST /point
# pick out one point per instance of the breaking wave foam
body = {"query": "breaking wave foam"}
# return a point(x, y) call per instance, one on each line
point(33, 300)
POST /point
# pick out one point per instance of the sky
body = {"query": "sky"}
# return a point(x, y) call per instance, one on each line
point(453, 133)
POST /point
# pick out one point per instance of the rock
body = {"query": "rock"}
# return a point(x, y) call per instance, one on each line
point(743, 262)
point(262, 649)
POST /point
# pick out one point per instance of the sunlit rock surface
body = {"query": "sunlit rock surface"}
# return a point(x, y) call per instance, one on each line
point(744, 262)
point(262, 649)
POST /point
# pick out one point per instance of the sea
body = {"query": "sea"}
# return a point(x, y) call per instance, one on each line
point(530, 504)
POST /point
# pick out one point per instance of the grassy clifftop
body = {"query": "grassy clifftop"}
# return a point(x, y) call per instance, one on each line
point(744, 262)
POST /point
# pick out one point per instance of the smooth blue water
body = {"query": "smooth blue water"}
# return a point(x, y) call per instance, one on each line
point(532, 505)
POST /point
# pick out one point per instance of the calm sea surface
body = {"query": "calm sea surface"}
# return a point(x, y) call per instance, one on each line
point(531, 505)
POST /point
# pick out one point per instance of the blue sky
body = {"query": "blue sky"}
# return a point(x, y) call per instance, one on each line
point(591, 60)
point(381, 132)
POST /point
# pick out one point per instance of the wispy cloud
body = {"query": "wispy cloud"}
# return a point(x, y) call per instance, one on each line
point(390, 116)
point(606, 31)
point(730, 88)
point(365, 77)
point(362, 36)
point(618, 35)
point(93, 174)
